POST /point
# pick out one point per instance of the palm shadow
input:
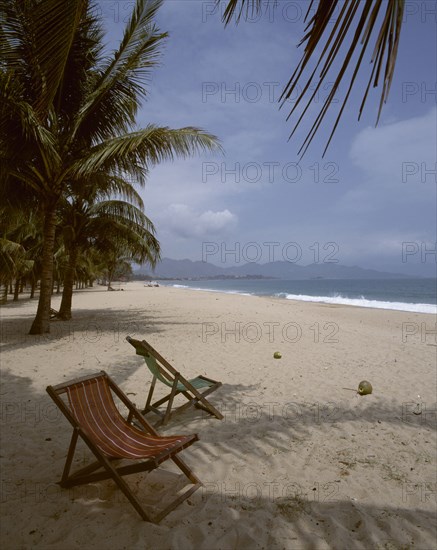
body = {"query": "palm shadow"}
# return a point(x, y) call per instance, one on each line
point(86, 325)
point(254, 422)
point(269, 514)
point(294, 519)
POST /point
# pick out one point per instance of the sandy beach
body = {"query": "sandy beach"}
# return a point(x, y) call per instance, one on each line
point(298, 460)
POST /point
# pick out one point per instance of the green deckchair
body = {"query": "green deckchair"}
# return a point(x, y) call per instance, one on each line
point(165, 373)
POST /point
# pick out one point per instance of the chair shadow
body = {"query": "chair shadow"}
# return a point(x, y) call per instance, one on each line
point(311, 515)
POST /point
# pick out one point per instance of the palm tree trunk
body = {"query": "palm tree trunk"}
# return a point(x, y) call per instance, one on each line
point(32, 288)
point(16, 289)
point(4, 295)
point(41, 323)
point(67, 293)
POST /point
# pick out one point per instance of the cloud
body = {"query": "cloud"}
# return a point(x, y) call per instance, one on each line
point(391, 152)
point(396, 169)
point(228, 81)
point(186, 222)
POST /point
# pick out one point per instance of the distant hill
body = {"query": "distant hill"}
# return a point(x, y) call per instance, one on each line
point(187, 269)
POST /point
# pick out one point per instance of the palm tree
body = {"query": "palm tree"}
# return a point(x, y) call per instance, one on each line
point(67, 109)
point(92, 218)
point(88, 268)
point(117, 265)
point(13, 265)
point(329, 49)
point(19, 246)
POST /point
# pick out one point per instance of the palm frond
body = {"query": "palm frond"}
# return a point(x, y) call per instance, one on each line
point(248, 7)
point(146, 147)
point(13, 260)
point(84, 58)
point(10, 248)
point(129, 241)
point(103, 185)
point(351, 34)
point(139, 49)
point(19, 117)
point(120, 187)
point(37, 37)
point(122, 82)
point(121, 211)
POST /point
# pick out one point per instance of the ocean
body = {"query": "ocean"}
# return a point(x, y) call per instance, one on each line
point(416, 295)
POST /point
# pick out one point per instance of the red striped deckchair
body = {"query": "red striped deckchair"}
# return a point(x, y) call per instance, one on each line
point(89, 406)
point(195, 389)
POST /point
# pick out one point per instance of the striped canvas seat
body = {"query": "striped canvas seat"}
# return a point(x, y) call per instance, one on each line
point(93, 406)
point(89, 406)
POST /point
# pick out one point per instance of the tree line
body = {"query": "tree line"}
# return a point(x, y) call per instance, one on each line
point(72, 156)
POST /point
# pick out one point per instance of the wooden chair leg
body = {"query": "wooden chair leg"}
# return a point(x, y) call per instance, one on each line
point(176, 503)
point(149, 397)
point(81, 477)
point(186, 469)
point(199, 400)
point(70, 455)
point(125, 489)
point(174, 391)
point(194, 480)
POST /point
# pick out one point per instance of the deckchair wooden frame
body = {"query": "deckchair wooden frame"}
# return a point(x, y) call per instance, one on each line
point(88, 473)
point(174, 379)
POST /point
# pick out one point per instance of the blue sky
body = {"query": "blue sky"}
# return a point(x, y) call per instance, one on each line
point(371, 201)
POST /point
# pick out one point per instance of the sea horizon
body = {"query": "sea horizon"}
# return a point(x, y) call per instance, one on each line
point(417, 295)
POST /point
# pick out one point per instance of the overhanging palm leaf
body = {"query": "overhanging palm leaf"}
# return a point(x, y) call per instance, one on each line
point(360, 17)
point(236, 8)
